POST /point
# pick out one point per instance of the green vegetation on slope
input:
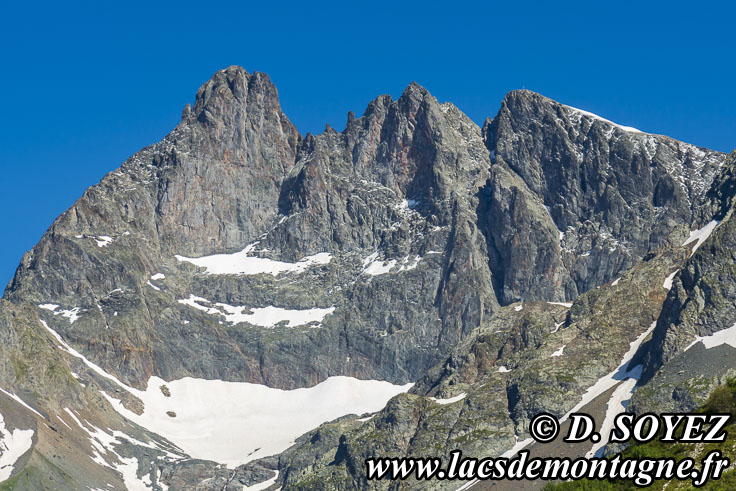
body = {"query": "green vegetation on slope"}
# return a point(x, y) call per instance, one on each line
point(721, 400)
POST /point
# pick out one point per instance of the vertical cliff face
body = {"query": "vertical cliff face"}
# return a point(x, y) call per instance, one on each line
point(235, 249)
point(394, 195)
point(230, 155)
point(212, 184)
point(702, 300)
point(400, 182)
point(613, 192)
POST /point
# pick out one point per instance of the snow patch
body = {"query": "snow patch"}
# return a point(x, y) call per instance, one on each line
point(700, 235)
point(242, 263)
point(158, 276)
point(616, 405)
point(631, 376)
point(64, 422)
point(409, 264)
point(520, 444)
point(519, 307)
point(615, 282)
point(407, 204)
point(13, 444)
point(153, 286)
point(595, 116)
point(503, 369)
point(667, 285)
point(450, 400)
point(95, 368)
point(103, 240)
point(724, 336)
point(557, 327)
point(260, 316)
point(102, 443)
point(558, 352)
point(262, 485)
point(620, 373)
point(21, 402)
point(601, 386)
point(564, 304)
point(72, 314)
point(374, 267)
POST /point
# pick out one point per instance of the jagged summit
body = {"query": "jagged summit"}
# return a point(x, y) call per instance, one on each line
point(527, 101)
point(408, 177)
point(524, 100)
point(415, 90)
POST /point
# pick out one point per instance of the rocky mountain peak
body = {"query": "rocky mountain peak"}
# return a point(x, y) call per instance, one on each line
point(231, 86)
point(612, 192)
point(519, 100)
point(235, 250)
point(413, 95)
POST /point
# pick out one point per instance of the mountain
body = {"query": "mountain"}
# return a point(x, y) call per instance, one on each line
point(241, 295)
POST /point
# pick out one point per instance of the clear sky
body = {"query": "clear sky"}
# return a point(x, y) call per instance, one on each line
point(86, 84)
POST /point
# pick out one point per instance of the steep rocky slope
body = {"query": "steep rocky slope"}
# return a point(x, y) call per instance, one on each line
point(528, 358)
point(397, 250)
point(694, 344)
point(614, 193)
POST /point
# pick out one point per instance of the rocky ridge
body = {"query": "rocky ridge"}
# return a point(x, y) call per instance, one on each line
point(398, 249)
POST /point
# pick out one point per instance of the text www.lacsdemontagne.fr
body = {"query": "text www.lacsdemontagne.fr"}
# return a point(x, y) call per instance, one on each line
point(641, 471)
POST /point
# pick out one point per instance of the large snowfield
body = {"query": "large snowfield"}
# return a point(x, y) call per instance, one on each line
point(235, 422)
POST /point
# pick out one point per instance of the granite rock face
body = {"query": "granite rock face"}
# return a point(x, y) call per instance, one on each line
point(397, 249)
point(703, 296)
point(681, 365)
point(527, 358)
point(614, 193)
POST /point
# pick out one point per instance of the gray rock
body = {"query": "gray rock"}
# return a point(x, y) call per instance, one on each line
point(544, 203)
point(613, 193)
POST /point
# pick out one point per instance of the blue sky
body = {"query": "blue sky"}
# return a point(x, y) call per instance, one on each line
point(86, 84)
